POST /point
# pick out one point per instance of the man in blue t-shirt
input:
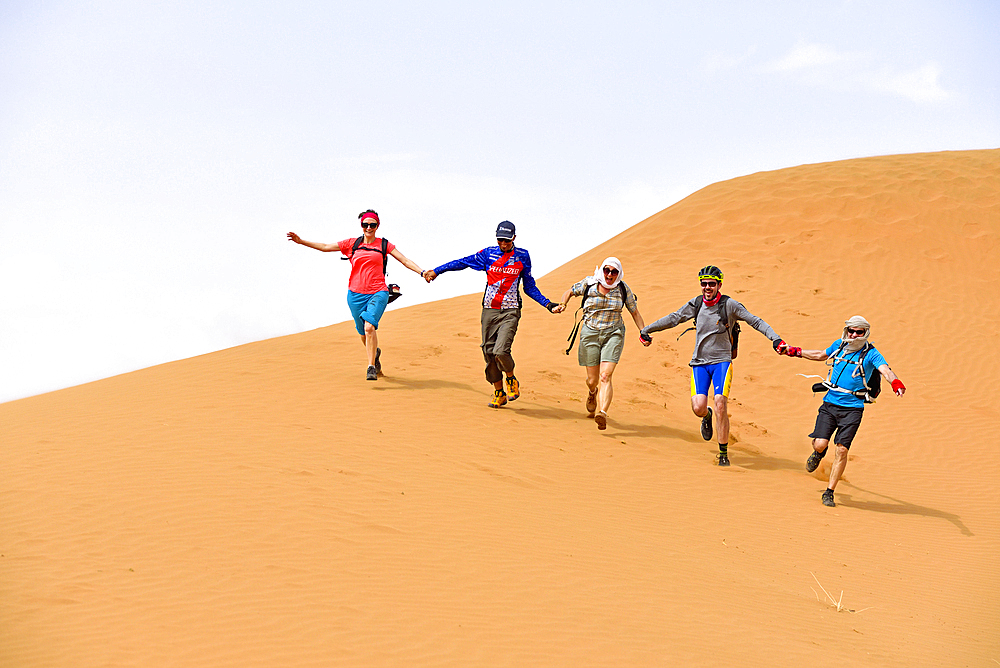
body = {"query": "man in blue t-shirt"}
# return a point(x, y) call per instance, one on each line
point(854, 363)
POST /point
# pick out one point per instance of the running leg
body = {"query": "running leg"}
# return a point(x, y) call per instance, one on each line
point(606, 389)
point(839, 464)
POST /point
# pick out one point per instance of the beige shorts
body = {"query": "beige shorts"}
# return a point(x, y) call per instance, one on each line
point(598, 346)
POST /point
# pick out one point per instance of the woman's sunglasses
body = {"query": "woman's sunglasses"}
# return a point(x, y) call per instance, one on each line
point(610, 271)
point(856, 332)
point(369, 226)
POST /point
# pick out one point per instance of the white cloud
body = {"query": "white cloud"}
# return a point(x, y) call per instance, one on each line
point(809, 56)
point(719, 61)
point(919, 85)
point(844, 71)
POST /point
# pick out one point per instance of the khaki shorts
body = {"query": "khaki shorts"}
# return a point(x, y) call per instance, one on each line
point(598, 346)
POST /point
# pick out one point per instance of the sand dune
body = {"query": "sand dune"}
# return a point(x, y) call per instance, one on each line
point(266, 506)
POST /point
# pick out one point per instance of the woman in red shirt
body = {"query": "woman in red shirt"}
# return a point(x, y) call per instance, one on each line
point(367, 292)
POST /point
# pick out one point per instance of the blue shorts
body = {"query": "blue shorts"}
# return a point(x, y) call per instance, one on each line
point(720, 375)
point(367, 308)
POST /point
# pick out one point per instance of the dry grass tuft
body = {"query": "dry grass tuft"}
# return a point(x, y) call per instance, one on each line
point(834, 602)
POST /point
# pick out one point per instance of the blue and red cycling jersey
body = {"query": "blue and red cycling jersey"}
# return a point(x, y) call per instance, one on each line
point(504, 272)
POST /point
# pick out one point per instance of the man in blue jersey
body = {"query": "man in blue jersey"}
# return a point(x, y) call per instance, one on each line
point(850, 384)
point(505, 266)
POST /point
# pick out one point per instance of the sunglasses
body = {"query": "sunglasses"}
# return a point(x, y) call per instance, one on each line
point(369, 226)
point(708, 284)
point(504, 241)
point(856, 332)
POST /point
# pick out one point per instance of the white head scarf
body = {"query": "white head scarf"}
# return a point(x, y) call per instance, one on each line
point(598, 276)
point(858, 342)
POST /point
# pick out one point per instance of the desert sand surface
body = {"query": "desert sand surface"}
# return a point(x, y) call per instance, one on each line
point(266, 506)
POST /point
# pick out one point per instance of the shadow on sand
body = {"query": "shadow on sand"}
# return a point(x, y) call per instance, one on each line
point(653, 431)
point(544, 413)
point(897, 507)
point(390, 383)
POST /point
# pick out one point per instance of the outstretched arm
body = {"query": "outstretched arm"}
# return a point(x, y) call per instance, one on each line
point(637, 317)
point(897, 384)
point(783, 348)
point(741, 313)
point(406, 262)
point(683, 314)
point(326, 248)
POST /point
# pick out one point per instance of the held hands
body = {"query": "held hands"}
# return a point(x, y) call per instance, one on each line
point(555, 307)
point(645, 339)
point(783, 348)
point(428, 275)
point(898, 387)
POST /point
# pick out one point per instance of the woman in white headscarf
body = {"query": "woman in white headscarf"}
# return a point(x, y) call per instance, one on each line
point(602, 331)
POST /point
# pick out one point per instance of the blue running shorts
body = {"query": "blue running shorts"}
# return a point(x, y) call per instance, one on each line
point(367, 308)
point(720, 375)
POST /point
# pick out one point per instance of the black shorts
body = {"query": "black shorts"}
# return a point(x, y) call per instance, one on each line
point(845, 421)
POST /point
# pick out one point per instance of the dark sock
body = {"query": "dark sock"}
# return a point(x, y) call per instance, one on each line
point(724, 448)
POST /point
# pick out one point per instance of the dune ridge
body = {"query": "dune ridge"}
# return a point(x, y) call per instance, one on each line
point(265, 505)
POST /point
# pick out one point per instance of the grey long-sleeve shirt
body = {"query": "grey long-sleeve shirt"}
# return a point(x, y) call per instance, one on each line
point(711, 344)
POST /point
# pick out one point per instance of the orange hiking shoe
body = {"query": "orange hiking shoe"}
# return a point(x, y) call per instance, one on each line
point(499, 399)
point(513, 388)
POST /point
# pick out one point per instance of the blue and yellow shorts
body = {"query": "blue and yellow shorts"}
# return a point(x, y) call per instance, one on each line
point(720, 375)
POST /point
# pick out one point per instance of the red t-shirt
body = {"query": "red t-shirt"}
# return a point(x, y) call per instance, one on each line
point(366, 265)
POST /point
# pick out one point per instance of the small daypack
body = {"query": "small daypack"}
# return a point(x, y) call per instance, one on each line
point(394, 291)
point(577, 322)
point(385, 251)
point(733, 332)
point(872, 381)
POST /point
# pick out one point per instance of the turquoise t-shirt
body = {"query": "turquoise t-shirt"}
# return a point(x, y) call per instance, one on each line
point(845, 374)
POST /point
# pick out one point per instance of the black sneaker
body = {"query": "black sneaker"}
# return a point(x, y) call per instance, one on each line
point(378, 364)
point(814, 459)
point(828, 498)
point(372, 374)
point(723, 459)
point(706, 426)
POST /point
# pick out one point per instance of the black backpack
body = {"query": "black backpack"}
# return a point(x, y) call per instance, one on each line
point(873, 381)
point(734, 331)
point(394, 291)
point(576, 322)
point(621, 286)
point(385, 251)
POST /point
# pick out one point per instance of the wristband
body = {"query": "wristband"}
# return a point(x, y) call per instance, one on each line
point(897, 385)
point(793, 351)
point(777, 345)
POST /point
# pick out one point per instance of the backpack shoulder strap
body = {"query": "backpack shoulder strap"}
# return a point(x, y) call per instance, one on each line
point(385, 256)
point(724, 311)
point(357, 244)
point(697, 303)
point(621, 286)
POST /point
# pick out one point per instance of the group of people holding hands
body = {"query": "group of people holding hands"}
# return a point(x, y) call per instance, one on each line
point(855, 364)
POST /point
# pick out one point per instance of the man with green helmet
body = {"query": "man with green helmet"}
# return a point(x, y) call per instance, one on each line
point(716, 328)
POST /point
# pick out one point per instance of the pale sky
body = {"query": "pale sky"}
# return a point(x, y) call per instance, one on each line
point(153, 155)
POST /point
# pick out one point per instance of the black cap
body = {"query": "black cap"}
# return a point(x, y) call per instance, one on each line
point(505, 230)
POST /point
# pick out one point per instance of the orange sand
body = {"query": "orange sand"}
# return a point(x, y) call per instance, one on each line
point(266, 506)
